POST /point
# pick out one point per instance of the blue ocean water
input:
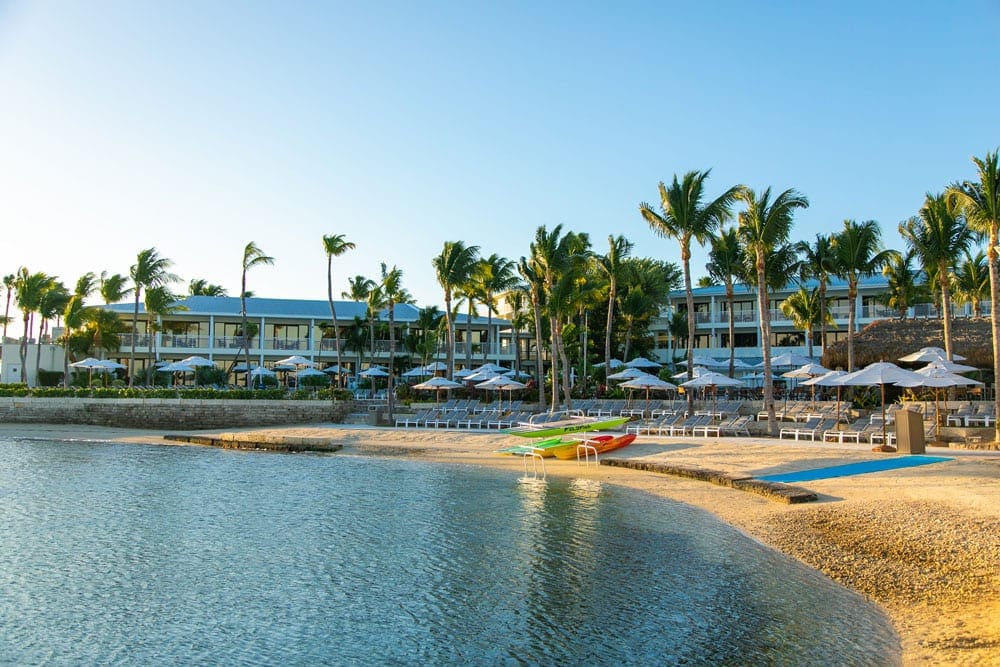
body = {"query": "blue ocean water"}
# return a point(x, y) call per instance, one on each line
point(130, 554)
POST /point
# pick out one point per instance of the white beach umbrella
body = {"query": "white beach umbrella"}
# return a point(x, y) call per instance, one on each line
point(881, 373)
point(437, 384)
point(109, 365)
point(695, 372)
point(90, 364)
point(928, 354)
point(642, 362)
point(627, 374)
point(788, 359)
point(615, 363)
point(294, 360)
point(500, 383)
point(938, 376)
point(707, 362)
point(481, 374)
point(713, 380)
point(649, 383)
point(829, 379)
point(950, 366)
point(496, 368)
point(175, 367)
point(373, 372)
point(807, 371)
point(463, 373)
point(436, 366)
point(334, 370)
point(197, 361)
point(418, 372)
point(310, 373)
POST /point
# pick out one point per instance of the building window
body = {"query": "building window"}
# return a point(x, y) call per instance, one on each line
point(788, 339)
point(744, 339)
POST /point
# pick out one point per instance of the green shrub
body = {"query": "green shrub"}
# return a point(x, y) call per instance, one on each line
point(49, 378)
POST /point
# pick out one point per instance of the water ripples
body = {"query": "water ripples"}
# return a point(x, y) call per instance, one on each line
point(122, 555)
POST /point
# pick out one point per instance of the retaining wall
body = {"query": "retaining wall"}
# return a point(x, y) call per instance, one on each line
point(168, 412)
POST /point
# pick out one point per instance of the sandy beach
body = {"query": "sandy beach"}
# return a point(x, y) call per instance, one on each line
point(922, 542)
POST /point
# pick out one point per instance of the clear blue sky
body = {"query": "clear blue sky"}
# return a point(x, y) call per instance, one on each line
point(197, 127)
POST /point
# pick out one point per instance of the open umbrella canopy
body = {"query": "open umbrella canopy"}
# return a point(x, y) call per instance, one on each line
point(615, 363)
point(706, 362)
point(929, 354)
point(436, 366)
point(416, 372)
point(374, 372)
point(627, 374)
point(828, 379)
point(940, 372)
point(176, 367)
point(649, 382)
point(260, 371)
point(334, 369)
point(196, 361)
point(787, 359)
point(696, 371)
point(806, 371)
point(712, 379)
point(480, 374)
point(642, 362)
point(881, 373)
point(464, 373)
point(496, 368)
point(951, 366)
point(89, 362)
point(295, 360)
point(310, 372)
point(438, 383)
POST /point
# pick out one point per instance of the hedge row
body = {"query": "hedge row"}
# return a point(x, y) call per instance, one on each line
point(203, 393)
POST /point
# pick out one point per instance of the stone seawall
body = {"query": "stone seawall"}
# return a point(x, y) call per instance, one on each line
point(168, 412)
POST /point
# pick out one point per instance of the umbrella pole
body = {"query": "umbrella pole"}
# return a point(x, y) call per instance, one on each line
point(884, 442)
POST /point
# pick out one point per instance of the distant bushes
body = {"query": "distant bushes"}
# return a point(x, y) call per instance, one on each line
point(207, 393)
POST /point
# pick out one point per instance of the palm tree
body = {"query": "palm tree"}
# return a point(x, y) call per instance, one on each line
point(764, 227)
point(906, 286)
point(159, 302)
point(859, 254)
point(818, 262)
point(358, 288)
point(392, 288)
point(29, 288)
point(980, 202)
point(803, 309)
point(113, 288)
point(453, 267)
point(428, 322)
point(468, 293)
point(252, 256)
point(103, 329)
point(494, 275)
point(75, 316)
point(150, 270)
point(8, 283)
point(519, 319)
point(646, 285)
point(334, 245)
point(375, 302)
point(684, 217)
point(619, 248)
point(972, 282)
point(938, 234)
point(201, 287)
point(535, 286)
point(726, 263)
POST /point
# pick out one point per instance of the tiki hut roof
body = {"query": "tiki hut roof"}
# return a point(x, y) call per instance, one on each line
point(888, 340)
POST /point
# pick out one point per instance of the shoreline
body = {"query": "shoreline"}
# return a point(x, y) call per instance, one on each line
point(923, 543)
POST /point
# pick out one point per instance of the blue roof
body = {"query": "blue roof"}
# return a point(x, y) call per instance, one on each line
point(229, 306)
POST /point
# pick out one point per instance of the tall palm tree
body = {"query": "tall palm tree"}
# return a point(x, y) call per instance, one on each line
point(534, 280)
point(765, 226)
point(150, 270)
point(113, 288)
point(334, 245)
point(859, 254)
point(8, 283)
point(252, 256)
point(103, 329)
point(453, 267)
point(495, 275)
point(685, 216)
point(395, 293)
point(29, 288)
point(468, 293)
point(803, 308)
point(358, 288)
point(159, 302)
point(938, 235)
point(906, 286)
point(75, 316)
point(520, 317)
point(375, 302)
point(818, 262)
point(428, 322)
point(610, 264)
point(972, 282)
point(726, 263)
point(51, 306)
point(980, 202)
point(201, 287)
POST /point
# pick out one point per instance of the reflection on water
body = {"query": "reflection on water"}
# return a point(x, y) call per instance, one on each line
point(113, 553)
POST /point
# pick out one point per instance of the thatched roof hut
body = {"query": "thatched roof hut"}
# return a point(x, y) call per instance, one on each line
point(888, 340)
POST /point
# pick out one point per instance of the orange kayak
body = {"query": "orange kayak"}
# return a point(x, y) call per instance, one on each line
point(602, 443)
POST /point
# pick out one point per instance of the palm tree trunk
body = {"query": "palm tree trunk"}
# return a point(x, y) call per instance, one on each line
point(135, 332)
point(391, 380)
point(945, 308)
point(565, 370)
point(608, 328)
point(38, 348)
point(991, 253)
point(23, 350)
point(556, 358)
point(765, 333)
point(333, 315)
point(689, 297)
point(451, 334)
point(852, 297)
point(539, 364)
point(490, 337)
point(468, 336)
point(731, 299)
point(822, 310)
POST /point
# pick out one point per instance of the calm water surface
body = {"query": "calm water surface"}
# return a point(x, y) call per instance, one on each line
point(125, 554)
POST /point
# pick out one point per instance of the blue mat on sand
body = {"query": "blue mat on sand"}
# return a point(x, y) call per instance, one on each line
point(877, 465)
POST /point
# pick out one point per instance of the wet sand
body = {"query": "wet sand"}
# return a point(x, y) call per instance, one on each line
point(922, 542)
